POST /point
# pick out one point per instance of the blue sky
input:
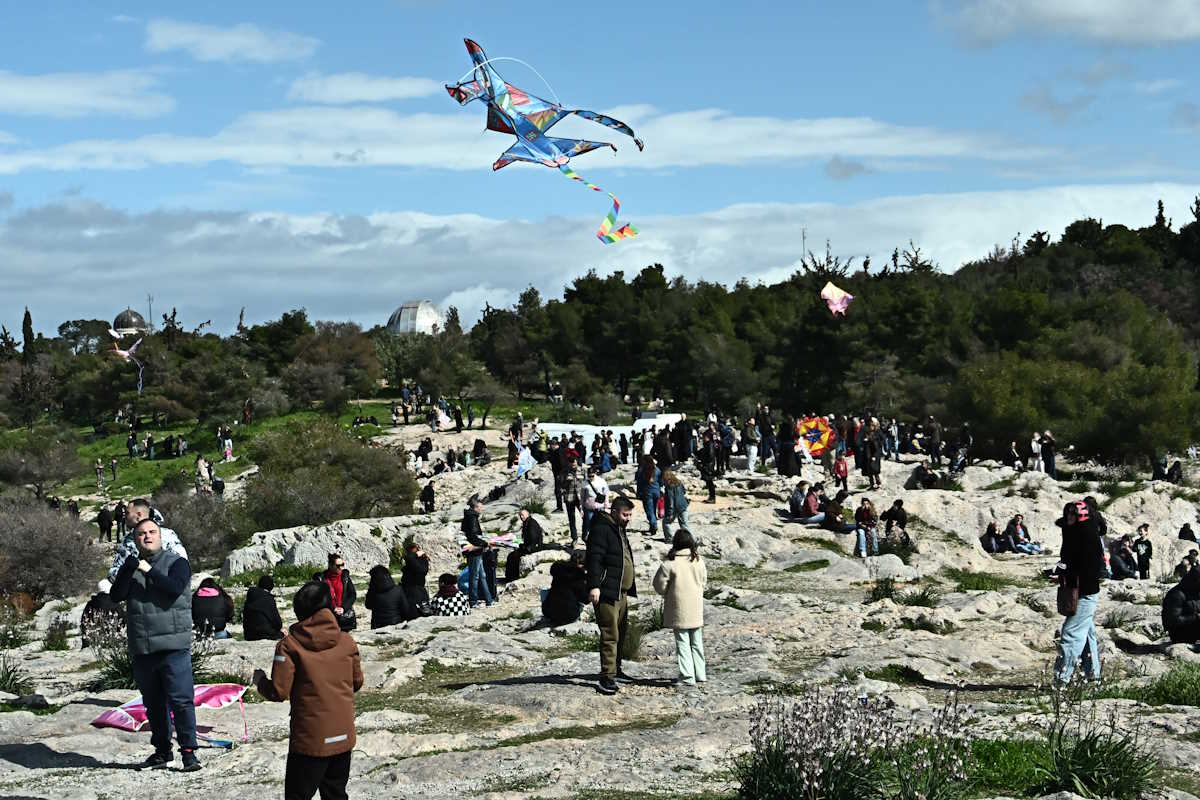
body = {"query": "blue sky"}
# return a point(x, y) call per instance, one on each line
point(274, 155)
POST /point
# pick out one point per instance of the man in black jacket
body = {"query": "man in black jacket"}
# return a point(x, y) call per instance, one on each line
point(610, 579)
point(532, 536)
point(1083, 559)
point(260, 615)
point(1181, 609)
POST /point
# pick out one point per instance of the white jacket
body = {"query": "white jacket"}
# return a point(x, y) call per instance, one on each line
point(681, 582)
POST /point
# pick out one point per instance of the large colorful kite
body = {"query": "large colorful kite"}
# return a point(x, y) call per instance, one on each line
point(517, 112)
point(816, 435)
point(837, 299)
point(132, 716)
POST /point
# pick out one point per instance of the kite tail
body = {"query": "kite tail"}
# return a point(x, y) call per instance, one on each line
point(140, 368)
point(606, 233)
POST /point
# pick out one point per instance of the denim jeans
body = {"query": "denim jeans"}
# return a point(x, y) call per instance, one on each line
point(680, 517)
point(815, 519)
point(649, 503)
point(165, 681)
point(751, 457)
point(862, 540)
point(477, 579)
point(689, 652)
point(1079, 630)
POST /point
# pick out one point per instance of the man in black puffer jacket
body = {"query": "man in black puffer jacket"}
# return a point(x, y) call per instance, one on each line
point(610, 580)
point(260, 615)
point(387, 602)
point(1181, 609)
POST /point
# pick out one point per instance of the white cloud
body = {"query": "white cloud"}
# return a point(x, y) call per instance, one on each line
point(244, 42)
point(320, 136)
point(1160, 86)
point(1117, 21)
point(272, 262)
point(356, 87)
point(127, 93)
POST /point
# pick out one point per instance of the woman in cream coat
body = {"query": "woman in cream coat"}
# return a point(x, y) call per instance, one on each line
point(681, 580)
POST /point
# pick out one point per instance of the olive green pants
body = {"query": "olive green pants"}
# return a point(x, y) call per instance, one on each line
point(613, 621)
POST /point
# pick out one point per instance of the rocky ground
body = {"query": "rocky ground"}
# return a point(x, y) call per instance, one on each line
point(496, 705)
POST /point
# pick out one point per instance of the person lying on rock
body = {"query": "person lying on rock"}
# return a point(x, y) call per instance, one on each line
point(568, 590)
point(1181, 609)
point(317, 668)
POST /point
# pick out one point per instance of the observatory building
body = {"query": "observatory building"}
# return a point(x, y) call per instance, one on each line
point(415, 317)
point(130, 323)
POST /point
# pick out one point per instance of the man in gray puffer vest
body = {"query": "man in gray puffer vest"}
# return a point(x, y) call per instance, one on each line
point(156, 588)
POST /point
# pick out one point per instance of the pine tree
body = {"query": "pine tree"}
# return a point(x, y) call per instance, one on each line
point(27, 337)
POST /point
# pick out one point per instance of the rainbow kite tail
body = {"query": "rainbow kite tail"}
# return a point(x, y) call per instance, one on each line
point(606, 233)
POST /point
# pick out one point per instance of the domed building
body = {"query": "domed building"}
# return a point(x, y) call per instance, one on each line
point(415, 317)
point(130, 323)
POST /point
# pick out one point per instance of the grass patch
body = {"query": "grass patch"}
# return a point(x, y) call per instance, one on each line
point(901, 674)
point(39, 712)
point(882, 589)
point(1006, 767)
point(284, 575)
point(58, 635)
point(873, 625)
point(832, 547)
point(1003, 483)
point(439, 680)
point(1028, 491)
point(1079, 487)
point(573, 643)
point(902, 550)
point(1114, 491)
point(1034, 603)
point(809, 566)
point(731, 602)
point(1180, 686)
point(924, 623)
point(926, 597)
point(769, 686)
point(967, 581)
point(1123, 595)
point(1119, 619)
point(589, 731)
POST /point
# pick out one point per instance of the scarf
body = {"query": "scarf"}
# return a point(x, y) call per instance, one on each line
point(449, 590)
point(333, 577)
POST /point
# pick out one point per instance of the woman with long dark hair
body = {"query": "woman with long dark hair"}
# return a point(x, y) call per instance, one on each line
point(649, 488)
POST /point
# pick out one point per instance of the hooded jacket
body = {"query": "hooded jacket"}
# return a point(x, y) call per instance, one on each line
point(606, 558)
point(568, 591)
point(211, 611)
point(413, 578)
point(317, 668)
point(1181, 608)
point(260, 616)
point(386, 601)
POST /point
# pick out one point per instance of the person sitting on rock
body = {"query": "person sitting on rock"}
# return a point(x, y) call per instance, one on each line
point(867, 528)
point(212, 610)
point(835, 514)
point(796, 500)
point(341, 588)
point(897, 520)
point(810, 512)
point(1175, 473)
point(1017, 539)
point(923, 477)
point(1186, 534)
point(449, 601)
point(1122, 559)
point(533, 538)
point(1181, 609)
point(260, 615)
point(564, 600)
point(386, 601)
point(1143, 548)
point(991, 541)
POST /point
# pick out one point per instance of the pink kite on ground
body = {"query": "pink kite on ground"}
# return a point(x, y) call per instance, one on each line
point(132, 715)
point(837, 299)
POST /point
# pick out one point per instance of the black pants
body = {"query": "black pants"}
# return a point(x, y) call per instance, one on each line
point(558, 496)
point(306, 774)
point(571, 509)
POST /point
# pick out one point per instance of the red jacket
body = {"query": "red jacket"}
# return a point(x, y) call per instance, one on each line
point(317, 667)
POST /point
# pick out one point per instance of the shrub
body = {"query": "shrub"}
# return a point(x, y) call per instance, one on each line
point(967, 581)
point(46, 554)
point(57, 635)
point(927, 596)
point(13, 633)
point(331, 476)
point(1079, 487)
point(271, 401)
point(1122, 595)
point(831, 745)
point(110, 645)
point(873, 625)
point(809, 566)
point(924, 623)
point(535, 505)
point(284, 575)
point(895, 673)
point(883, 588)
point(1033, 602)
point(209, 527)
point(901, 549)
point(13, 677)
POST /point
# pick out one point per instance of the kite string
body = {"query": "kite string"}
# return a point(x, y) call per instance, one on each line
point(478, 67)
point(606, 233)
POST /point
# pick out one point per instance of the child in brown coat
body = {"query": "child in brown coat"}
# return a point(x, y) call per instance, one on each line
point(317, 667)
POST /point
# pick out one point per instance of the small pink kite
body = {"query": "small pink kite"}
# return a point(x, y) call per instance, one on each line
point(132, 715)
point(837, 299)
